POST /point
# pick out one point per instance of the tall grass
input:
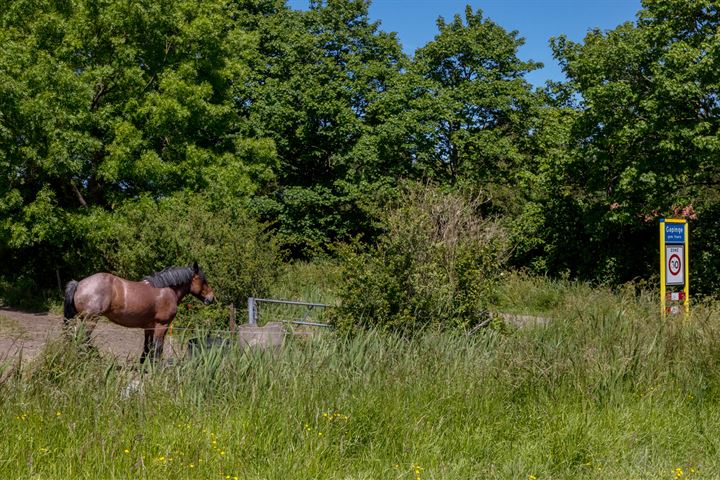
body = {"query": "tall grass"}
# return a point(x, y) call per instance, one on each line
point(607, 389)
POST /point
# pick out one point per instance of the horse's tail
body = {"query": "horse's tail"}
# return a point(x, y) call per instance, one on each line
point(70, 310)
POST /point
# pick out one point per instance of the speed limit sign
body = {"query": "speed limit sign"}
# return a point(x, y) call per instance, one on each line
point(674, 271)
point(674, 265)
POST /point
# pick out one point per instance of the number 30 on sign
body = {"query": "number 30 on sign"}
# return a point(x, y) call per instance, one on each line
point(674, 265)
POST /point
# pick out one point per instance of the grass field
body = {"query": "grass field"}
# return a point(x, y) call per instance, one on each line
point(607, 390)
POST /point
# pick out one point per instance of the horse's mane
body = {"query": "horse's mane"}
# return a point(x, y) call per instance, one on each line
point(171, 276)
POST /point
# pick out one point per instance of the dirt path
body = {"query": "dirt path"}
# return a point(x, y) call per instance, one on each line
point(28, 332)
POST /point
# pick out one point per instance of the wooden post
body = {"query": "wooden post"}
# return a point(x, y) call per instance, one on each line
point(57, 275)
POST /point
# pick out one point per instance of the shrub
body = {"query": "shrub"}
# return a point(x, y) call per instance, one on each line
point(433, 265)
point(239, 257)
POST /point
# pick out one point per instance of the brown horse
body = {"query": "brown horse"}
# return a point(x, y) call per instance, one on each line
point(150, 304)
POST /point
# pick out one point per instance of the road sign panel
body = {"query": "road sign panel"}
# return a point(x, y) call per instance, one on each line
point(674, 269)
point(674, 233)
point(674, 265)
point(675, 296)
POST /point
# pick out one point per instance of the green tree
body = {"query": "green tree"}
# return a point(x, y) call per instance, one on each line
point(545, 220)
point(645, 141)
point(314, 93)
point(104, 101)
point(476, 107)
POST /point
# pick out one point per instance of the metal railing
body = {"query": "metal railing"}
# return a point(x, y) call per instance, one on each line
point(253, 310)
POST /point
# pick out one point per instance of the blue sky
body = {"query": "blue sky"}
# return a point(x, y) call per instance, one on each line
point(536, 20)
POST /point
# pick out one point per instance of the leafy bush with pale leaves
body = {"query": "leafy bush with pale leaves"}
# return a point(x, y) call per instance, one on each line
point(433, 265)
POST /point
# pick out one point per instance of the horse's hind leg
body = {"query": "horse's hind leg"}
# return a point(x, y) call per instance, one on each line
point(81, 325)
point(88, 324)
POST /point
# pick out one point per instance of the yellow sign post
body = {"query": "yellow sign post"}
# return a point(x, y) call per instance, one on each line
point(674, 270)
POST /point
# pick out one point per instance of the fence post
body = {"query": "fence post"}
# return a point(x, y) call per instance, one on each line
point(232, 318)
point(252, 319)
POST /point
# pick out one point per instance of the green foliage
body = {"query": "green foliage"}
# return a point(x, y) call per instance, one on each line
point(308, 221)
point(324, 70)
point(315, 281)
point(644, 141)
point(318, 93)
point(433, 266)
point(609, 389)
point(238, 256)
point(196, 320)
point(477, 114)
point(132, 98)
point(107, 102)
point(21, 291)
point(310, 119)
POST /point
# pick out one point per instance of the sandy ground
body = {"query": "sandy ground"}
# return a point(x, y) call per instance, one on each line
point(25, 334)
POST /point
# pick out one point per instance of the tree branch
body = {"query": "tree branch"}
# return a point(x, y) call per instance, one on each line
point(79, 195)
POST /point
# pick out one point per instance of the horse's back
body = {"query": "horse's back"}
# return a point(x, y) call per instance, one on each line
point(145, 303)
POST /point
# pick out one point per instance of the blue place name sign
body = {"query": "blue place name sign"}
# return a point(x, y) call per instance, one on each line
point(674, 233)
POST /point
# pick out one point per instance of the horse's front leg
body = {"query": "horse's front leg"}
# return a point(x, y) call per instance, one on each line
point(149, 333)
point(158, 340)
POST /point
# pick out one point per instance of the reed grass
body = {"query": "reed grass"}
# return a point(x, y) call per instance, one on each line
point(608, 389)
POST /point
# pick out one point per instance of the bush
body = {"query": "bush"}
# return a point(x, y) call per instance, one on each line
point(433, 266)
point(22, 291)
point(239, 257)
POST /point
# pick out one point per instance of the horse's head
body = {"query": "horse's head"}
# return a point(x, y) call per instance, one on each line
point(199, 286)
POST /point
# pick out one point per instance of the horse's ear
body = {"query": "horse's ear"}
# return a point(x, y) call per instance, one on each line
point(196, 269)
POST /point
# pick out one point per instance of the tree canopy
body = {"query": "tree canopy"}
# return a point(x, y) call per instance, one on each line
point(644, 143)
point(306, 122)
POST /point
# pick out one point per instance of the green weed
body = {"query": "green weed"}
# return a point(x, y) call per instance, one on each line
point(607, 389)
